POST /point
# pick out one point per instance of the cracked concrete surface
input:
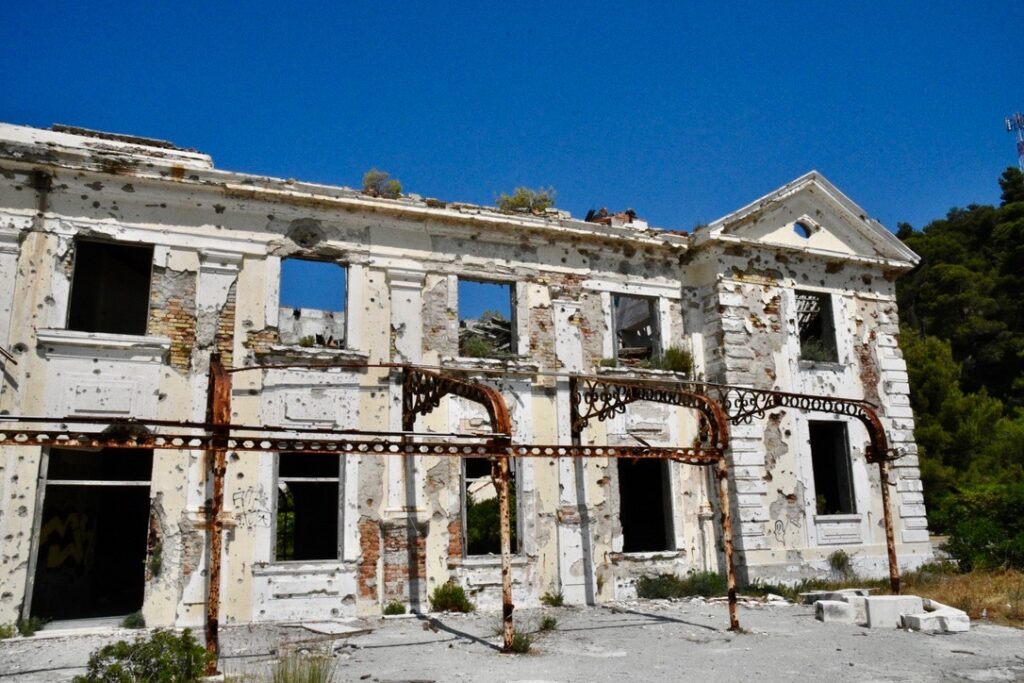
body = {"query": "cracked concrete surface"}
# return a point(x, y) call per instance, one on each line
point(637, 640)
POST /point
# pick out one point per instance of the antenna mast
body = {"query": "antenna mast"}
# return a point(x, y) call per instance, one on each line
point(1015, 123)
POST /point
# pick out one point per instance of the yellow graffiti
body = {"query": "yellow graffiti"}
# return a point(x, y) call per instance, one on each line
point(75, 525)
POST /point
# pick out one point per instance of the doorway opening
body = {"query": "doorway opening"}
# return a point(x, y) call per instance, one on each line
point(91, 550)
point(645, 508)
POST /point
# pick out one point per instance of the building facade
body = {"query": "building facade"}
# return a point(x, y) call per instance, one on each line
point(127, 262)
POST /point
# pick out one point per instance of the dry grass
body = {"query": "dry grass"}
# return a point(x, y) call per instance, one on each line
point(999, 595)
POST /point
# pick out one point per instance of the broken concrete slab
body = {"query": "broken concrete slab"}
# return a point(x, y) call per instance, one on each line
point(945, 620)
point(834, 611)
point(885, 611)
point(811, 597)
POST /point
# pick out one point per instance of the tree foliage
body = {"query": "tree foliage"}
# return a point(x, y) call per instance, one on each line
point(381, 184)
point(963, 340)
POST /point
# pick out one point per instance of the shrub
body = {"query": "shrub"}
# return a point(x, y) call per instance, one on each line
point(381, 184)
point(552, 599)
point(989, 532)
point(664, 586)
point(134, 620)
point(394, 607)
point(449, 597)
point(7, 631)
point(156, 560)
point(525, 200)
point(839, 561)
point(296, 668)
point(476, 347)
point(676, 359)
point(548, 624)
point(608, 363)
point(164, 657)
point(520, 643)
point(28, 627)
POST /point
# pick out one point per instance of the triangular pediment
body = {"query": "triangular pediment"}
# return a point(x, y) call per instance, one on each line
point(811, 213)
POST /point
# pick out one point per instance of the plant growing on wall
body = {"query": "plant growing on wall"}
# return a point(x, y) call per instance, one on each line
point(525, 200)
point(381, 184)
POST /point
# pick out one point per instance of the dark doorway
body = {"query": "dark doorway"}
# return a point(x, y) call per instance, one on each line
point(92, 535)
point(308, 507)
point(644, 505)
point(830, 458)
point(110, 288)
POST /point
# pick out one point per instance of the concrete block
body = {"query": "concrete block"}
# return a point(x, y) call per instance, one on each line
point(811, 597)
point(834, 611)
point(884, 611)
point(860, 609)
point(945, 620)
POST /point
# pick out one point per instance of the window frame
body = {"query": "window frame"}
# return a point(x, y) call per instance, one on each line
point(75, 271)
point(654, 307)
point(514, 490)
point(339, 481)
point(281, 308)
point(513, 306)
point(828, 323)
point(845, 457)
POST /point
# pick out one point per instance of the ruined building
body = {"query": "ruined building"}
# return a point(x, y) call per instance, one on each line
point(128, 263)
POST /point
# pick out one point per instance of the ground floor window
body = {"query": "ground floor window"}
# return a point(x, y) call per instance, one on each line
point(830, 459)
point(645, 505)
point(91, 548)
point(309, 507)
point(482, 526)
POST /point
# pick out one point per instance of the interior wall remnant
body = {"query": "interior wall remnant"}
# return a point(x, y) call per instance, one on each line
point(636, 328)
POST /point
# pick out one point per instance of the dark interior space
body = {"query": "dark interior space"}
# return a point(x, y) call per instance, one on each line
point(307, 507)
point(817, 327)
point(483, 514)
point(644, 505)
point(110, 288)
point(92, 538)
point(830, 458)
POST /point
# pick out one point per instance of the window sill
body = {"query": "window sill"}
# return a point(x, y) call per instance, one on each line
point(486, 561)
point(652, 373)
point(821, 365)
point(307, 353)
point(515, 364)
point(837, 519)
point(648, 556)
point(296, 567)
point(75, 342)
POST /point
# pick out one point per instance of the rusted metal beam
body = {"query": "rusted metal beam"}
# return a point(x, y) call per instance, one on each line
point(722, 474)
point(218, 413)
point(500, 474)
point(890, 539)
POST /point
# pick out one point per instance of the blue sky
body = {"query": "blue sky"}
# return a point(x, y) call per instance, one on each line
point(681, 112)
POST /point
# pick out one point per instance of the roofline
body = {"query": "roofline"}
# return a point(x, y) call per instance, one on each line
point(814, 178)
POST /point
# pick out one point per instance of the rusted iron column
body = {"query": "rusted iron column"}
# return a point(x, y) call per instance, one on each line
point(890, 538)
point(500, 474)
point(218, 412)
point(722, 473)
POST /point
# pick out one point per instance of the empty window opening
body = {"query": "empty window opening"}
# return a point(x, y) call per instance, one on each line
point(645, 508)
point(636, 329)
point(110, 288)
point(830, 458)
point(91, 548)
point(817, 327)
point(483, 521)
point(486, 319)
point(313, 295)
point(308, 507)
point(802, 229)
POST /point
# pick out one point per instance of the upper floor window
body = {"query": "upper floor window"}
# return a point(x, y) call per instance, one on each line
point(635, 321)
point(486, 319)
point(110, 287)
point(830, 459)
point(817, 327)
point(313, 296)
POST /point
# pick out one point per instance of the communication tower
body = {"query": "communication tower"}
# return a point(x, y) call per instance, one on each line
point(1015, 124)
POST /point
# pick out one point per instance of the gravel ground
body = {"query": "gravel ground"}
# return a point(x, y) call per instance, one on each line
point(641, 641)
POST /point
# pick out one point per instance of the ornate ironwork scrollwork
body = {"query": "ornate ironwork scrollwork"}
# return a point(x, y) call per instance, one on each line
point(422, 391)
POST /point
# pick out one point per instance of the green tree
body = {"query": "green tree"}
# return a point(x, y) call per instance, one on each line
point(525, 200)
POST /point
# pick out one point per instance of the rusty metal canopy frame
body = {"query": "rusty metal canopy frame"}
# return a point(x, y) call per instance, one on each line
point(422, 391)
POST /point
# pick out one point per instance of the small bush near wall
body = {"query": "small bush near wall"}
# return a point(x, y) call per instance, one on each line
point(296, 668)
point(165, 657)
point(394, 608)
point(449, 597)
point(664, 586)
point(676, 359)
point(552, 599)
point(7, 631)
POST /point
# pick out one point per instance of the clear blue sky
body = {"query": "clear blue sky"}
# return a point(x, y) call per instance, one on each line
point(682, 113)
